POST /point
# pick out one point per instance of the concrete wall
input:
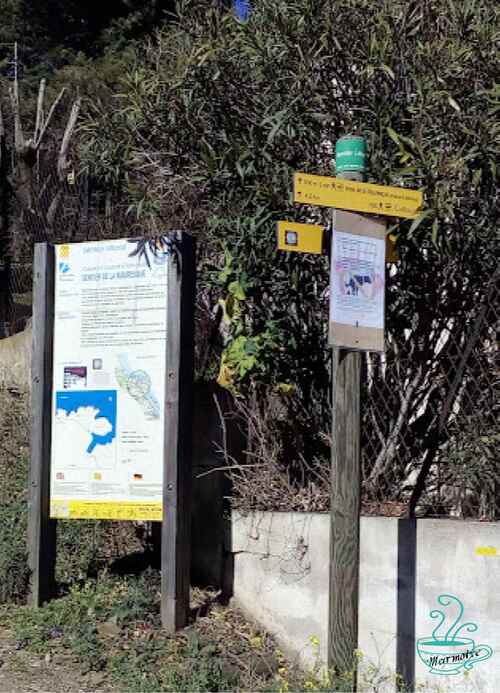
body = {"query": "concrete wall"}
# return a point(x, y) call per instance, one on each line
point(448, 561)
point(281, 578)
point(15, 361)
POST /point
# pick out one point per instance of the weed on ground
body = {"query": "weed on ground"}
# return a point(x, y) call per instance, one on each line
point(110, 628)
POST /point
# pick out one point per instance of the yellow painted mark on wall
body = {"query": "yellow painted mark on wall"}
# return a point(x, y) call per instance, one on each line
point(487, 551)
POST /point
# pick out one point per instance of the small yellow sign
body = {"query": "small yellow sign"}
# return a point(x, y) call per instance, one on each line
point(300, 238)
point(356, 196)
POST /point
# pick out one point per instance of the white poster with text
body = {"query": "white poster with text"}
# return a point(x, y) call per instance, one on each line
point(357, 280)
point(109, 380)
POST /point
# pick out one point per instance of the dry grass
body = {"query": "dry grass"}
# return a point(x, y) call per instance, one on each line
point(284, 469)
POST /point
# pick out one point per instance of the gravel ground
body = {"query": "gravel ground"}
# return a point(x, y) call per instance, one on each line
point(23, 672)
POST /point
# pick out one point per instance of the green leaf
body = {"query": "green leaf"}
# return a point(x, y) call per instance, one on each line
point(454, 104)
point(406, 170)
point(435, 229)
point(388, 71)
point(416, 222)
point(236, 289)
point(394, 136)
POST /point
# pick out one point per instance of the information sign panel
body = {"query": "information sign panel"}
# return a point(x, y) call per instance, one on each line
point(109, 371)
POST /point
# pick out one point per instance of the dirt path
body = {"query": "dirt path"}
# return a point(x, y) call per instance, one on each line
point(23, 672)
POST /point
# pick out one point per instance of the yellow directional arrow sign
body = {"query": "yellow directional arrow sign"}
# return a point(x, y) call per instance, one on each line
point(355, 196)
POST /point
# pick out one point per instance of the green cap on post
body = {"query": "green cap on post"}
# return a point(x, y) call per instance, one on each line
point(350, 157)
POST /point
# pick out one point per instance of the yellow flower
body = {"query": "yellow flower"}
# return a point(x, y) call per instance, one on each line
point(309, 685)
point(256, 641)
point(359, 654)
point(285, 388)
point(314, 640)
point(325, 680)
point(282, 671)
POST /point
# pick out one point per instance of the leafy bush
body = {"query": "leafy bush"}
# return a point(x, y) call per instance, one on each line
point(73, 620)
point(214, 117)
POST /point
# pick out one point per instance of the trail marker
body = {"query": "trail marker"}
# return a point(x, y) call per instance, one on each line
point(350, 155)
point(356, 196)
point(300, 238)
point(360, 247)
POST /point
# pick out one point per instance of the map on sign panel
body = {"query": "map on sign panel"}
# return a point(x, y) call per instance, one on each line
point(138, 384)
point(85, 423)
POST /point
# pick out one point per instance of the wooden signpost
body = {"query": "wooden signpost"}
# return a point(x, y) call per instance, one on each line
point(112, 381)
point(359, 249)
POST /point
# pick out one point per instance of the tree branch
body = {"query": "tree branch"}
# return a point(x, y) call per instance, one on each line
point(62, 161)
point(39, 110)
point(45, 125)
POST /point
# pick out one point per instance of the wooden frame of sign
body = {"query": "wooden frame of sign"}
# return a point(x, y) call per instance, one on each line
point(351, 335)
point(176, 529)
point(175, 559)
point(41, 529)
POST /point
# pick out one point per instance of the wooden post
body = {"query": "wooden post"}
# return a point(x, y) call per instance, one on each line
point(176, 554)
point(345, 500)
point(41, 529)
point(345, 504)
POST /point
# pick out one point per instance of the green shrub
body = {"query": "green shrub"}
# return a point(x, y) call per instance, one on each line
point(112, 625)
point(14, 574)
point(14, 457)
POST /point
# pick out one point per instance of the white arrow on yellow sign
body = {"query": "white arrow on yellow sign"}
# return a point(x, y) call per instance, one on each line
point(355, 196)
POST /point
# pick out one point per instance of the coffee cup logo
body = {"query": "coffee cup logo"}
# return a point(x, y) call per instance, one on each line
point(451, 652)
